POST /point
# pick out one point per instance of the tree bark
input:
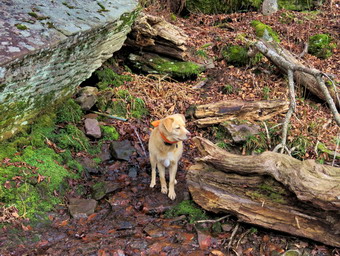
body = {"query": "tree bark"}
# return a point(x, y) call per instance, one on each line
point(303, 197)
point(215, 113)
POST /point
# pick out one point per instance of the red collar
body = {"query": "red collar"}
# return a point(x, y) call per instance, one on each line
point(156, 124)
point(166, 140)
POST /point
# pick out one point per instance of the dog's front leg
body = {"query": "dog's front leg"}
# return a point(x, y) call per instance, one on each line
point(153, 162)
point(172, 181)
point(161, 170)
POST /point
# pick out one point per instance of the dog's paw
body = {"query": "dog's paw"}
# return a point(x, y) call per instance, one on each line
point(152, 184)
point(164, 190)
point(172, 195)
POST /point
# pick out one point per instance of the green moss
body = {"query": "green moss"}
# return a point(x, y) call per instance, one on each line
point(236, 55)
point(35, 175)
point(189, 208)
point(108, 77)
point(262, 30)
point(296, 5)
point(72, 138)
point(321, 46)
point(33, 14)
point(69, 112)
point(109, 132)
point(221, 6)
point(68, 6)
point(21, 26)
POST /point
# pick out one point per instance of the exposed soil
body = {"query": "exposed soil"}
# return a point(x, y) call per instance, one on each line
point(131, 221)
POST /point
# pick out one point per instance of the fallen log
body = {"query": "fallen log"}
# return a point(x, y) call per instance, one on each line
point(270, 190)
point(154, 34)
point(273, 52)
point(215, 113)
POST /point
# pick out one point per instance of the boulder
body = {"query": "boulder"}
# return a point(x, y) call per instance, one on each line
point(122, 150)
point(81, 208)
point(47, 48)
point(269, 7)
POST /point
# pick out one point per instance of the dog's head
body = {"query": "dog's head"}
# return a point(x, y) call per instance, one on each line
point(174, 127)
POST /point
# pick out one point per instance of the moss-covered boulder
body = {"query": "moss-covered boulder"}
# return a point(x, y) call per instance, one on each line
point(236, 55)
point(321, 46)
point(155, 64)
point(221, 6)
point(264, 31)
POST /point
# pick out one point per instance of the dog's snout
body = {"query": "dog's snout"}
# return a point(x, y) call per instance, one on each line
point(188, 134)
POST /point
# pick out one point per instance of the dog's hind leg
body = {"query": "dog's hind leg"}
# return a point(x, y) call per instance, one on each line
point(153, 170)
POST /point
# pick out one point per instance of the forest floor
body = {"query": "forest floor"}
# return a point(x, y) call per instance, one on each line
point(132, 220)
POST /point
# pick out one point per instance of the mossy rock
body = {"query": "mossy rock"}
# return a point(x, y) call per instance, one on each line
point(221, 6)
point(109, 132)
point(189, 208)
point(71, 137)
point(155, 64)
point(69, 112)
point(321, 46)
point(236, 55)
point(264, 31)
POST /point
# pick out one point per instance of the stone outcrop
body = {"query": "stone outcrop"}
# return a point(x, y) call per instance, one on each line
point(47, 48)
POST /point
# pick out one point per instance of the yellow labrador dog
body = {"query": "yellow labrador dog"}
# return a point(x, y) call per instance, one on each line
point(165, 149)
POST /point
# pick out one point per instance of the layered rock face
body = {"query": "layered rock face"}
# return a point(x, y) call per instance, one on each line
point(47, 48)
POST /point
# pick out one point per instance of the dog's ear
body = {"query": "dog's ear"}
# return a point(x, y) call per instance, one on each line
point(167, 122)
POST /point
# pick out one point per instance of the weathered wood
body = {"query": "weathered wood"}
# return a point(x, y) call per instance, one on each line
point(154, 34)
point(307, 204)
point(215, 113)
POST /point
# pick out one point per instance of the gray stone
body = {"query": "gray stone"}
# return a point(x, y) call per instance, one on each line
point(101, 189)
point(133, 172)
point(47, 48)
point(269, 7)
point(87, 97)
point(240, 133)
point(92, 128)
point(122, 150)
point(81, 208)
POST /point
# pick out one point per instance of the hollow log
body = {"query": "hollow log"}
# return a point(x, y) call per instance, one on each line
point(154, 34)
point(215, 113)
point(301, 77)
point(270, 190)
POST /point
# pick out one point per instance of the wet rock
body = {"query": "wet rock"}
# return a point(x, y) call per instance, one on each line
point(122, 150)
point(133, 172)
point(101, 189)
point(49, 47)
point(92, 128)
point(80, 208)
point(105, 154)
point(87, 97)
point(89, 165)
point(240, 133)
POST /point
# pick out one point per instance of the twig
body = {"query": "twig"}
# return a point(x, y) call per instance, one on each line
point(268, 136)
point(290, 111)
point(111, 116)
point(336, 149)
point(140, 142)
point(212, 221)
point(305, 50)
point(233, 235)
point(241, 238)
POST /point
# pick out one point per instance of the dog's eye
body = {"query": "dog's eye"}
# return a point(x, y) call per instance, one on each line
point(178, 128)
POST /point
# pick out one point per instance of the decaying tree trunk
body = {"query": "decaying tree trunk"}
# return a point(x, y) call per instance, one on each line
point(154, 34)
point(272, 190)
point(216, 113)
